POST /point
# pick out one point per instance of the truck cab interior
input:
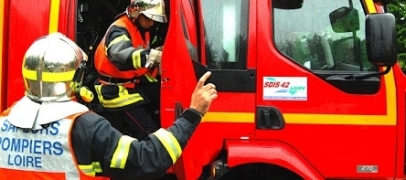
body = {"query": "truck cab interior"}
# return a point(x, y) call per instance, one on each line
point(93, 19)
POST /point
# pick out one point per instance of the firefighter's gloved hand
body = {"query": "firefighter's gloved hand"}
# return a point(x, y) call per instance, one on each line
point(160, 48)
point(153, 58)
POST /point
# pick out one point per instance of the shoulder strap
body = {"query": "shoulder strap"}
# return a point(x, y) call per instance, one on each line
point(74, 116)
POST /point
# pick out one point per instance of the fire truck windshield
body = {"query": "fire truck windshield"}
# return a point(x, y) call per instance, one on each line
point(323, 36)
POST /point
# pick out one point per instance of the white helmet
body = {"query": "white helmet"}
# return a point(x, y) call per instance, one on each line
point(49, 67)
point(153, 9)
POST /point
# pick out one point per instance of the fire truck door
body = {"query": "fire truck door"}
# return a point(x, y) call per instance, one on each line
point(179, 57)
point(303, 60)
point(227, 52)
point(216, 40)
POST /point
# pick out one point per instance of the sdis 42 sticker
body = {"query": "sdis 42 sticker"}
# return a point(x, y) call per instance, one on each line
point(285, 88)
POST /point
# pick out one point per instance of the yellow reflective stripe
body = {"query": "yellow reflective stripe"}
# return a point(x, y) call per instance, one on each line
point(49, 76)
point(97, 167)
point(54, 16)
point(87, 169)
point(170, 143)
point(118, 39)
point(224, 117)
point(154, 40)
point(91, 169)
point(390, 118)
point(150, 78)
point(136, 57)
point(370, 6)
point(120, 155)
point(123, 99)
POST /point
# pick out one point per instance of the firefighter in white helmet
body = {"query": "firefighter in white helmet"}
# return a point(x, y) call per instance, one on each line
point(48, 135)
point(126, 63)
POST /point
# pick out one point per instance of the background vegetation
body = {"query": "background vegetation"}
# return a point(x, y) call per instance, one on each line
point(397, 8)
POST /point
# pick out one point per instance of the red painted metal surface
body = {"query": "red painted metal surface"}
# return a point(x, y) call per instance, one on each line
point(336, 150)
point(28, 21)
point(317, 150)
point(67, 18)
point(179, 88)
point(248, 151)
point(401, 123)
point(327, 146)
point(4, 20)
point(324, 146)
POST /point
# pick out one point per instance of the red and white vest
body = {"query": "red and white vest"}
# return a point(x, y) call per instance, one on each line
point(39, 154)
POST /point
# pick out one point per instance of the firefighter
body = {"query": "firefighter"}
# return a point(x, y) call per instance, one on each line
point(48, 135)
point(126, 63)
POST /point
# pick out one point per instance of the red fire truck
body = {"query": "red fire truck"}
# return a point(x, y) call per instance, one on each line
point(307, 89)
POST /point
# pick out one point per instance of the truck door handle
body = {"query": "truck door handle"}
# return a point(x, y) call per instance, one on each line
point(178, 109)
point(269, 118)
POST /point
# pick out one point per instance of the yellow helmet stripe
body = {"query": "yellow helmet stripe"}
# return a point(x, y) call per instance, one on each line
point(49, 76)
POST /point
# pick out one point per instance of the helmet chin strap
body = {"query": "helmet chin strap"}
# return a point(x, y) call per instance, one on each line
point(81, 92)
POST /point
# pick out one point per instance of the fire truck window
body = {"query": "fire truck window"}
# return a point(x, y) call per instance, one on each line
point(184, 28)
point(225, 31)
point(191, 48)
point(192, 6)
point(323, 36)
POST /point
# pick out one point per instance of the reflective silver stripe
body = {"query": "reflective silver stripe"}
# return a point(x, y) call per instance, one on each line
point(120, 155)
point(170, 143)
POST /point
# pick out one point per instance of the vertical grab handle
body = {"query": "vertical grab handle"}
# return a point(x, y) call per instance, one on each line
point(269, 118)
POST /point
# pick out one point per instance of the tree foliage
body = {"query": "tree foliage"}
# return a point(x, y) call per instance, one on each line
point(398, 9)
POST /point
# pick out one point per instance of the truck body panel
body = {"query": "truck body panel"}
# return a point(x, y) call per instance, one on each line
point(280, 91)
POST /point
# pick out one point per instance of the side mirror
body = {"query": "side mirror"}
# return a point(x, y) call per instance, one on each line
point(381, 39)
point(287, 4)
point(344, 19)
